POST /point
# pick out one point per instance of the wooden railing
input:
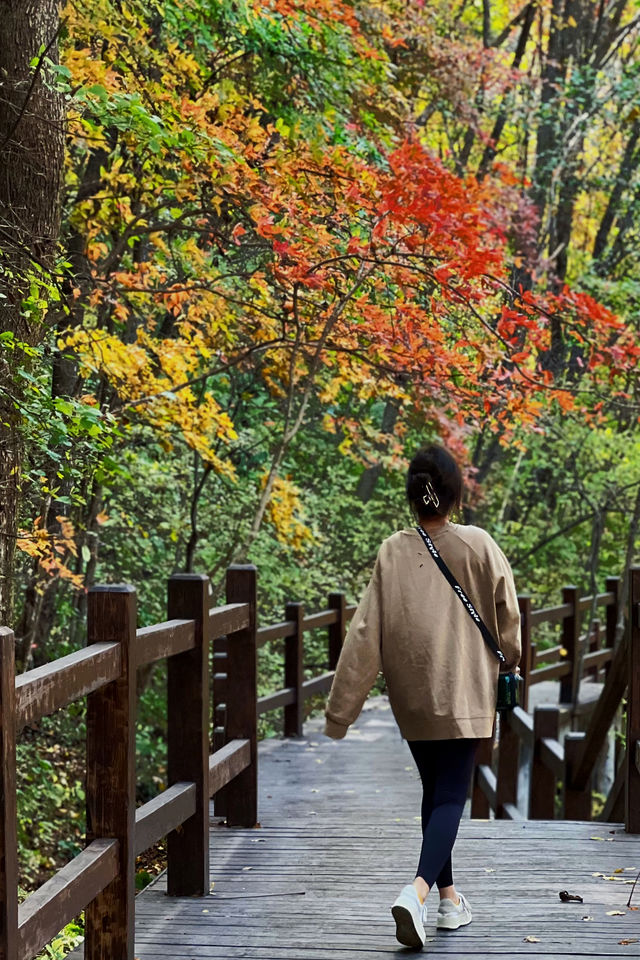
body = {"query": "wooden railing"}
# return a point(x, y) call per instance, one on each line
point(101, 879)
point(569, 763)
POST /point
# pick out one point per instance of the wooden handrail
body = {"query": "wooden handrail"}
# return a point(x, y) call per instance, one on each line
point(54, 904)
point(45, 689)
point(159, 816)
point(273, 701)
point(550, 614)
point(287, 628)
point(163, 640)
point(227, 763)
point(550, 655)
point(602, 600)
point(277, 631)
point(555, 671)
point(322, 619)
point(229, 618)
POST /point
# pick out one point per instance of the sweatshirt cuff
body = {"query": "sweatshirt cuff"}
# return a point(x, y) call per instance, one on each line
point(335, 730)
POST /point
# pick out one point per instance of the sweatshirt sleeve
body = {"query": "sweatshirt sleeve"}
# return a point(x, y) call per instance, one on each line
point(508, 615)
point(359, 663)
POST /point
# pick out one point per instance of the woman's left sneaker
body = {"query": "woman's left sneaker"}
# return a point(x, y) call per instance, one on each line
point(453, 915)
point(410, 915)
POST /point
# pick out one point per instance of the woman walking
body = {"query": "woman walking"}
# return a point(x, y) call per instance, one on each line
point(441, 676)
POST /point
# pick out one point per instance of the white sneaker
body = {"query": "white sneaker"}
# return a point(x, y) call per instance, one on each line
point(410, 916)
point(451, 915)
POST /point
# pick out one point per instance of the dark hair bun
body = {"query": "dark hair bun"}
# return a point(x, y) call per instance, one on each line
point(435, 466)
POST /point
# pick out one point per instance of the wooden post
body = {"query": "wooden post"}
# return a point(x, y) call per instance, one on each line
point(508, 759)
point(577, 803)
point(632, 786)
point(218, 686)
point(294, 670)
point(570, 641)
point(241, 794)
point(8, 811)
point(111, 773)
point(592, 646)
point(480, 806)
point(612, 585)
point(188, 736)
point(542, 784)
point(219, 689)
point(337, 631)
point(526, 658)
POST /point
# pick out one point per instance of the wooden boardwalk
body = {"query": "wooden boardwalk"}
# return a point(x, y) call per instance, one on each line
point(339, 836)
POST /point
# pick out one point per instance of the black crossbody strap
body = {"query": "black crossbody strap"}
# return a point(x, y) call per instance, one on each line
point(469, 607)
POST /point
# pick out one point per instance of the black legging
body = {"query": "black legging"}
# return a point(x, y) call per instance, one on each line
point(445, 770)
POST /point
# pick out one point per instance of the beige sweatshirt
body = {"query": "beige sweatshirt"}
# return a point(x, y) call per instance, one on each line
point(441, 676)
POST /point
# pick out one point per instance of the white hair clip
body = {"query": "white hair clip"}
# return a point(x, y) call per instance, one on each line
point(430, 496)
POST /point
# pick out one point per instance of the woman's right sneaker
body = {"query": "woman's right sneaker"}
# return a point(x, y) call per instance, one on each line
point(410, 915)
point(452, 915)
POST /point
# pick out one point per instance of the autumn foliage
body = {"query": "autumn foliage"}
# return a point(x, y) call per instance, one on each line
point(314, 248)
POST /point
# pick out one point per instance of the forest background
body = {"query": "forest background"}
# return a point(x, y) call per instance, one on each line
point(254, 255)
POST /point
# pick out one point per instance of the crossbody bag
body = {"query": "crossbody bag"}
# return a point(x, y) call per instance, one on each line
point(507, 682)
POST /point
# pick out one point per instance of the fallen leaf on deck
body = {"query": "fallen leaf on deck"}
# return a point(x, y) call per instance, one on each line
point(531, 940)
point(489, 870)
point(619, 870)
point(597, 838)
point(587, 918)
point(629, 940)
point(615, 913)
point(567, 897)
point(247, 868)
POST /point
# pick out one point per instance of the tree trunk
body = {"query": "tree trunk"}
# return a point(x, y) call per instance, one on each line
point(370, 475)
point(31, 158)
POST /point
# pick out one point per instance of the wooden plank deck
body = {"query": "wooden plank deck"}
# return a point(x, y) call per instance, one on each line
point(340, 835)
